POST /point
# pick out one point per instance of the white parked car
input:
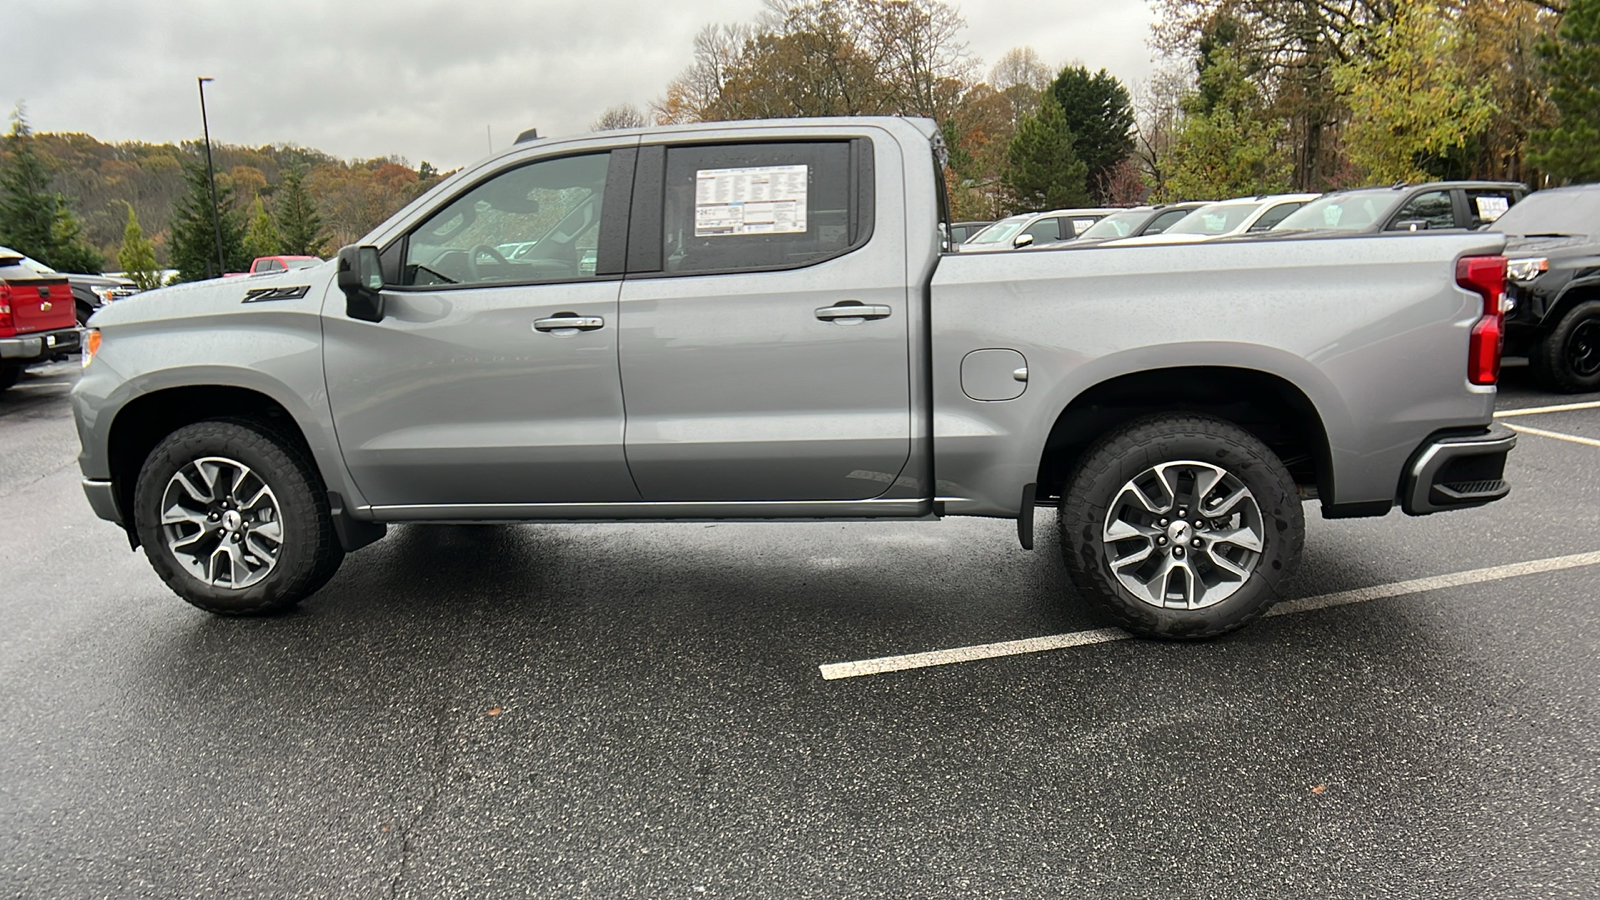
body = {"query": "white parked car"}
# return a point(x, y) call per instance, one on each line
point(1226, 218)
point(1035, 229)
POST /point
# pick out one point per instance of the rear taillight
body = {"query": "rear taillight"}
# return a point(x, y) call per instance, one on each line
point(1486, 277)
point(6, 325)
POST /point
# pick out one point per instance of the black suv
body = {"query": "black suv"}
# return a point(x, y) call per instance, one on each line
point(1553, 282)
point(1404, 207)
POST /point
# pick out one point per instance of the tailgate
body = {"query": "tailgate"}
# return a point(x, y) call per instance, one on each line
point(40, 304)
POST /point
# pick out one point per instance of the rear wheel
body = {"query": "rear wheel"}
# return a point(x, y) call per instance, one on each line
point(234, 519)
point(1568, 358)
point(1181, 526)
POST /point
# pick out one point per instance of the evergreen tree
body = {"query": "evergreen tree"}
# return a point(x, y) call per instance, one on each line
point(1099, 114)
point(299, 226)
point(262, 239)
point(35, 220)
point(193, 241)
point(1572, 62)
point(1045, 173)
point(137, 257)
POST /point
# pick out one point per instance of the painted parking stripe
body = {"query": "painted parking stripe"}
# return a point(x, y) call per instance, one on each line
point(1538, 410)
point(1523, 429)
point(885, 664)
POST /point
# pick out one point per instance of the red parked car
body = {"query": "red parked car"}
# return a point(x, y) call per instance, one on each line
point(38, 319)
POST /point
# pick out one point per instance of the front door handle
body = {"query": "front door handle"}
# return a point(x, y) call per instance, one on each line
point(564, 323)
point(852, 312)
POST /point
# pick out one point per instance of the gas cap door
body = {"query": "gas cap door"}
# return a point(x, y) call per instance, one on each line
point(994, 374)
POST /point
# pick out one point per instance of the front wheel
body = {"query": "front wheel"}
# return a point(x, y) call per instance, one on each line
point(1181, 526)
point(1568, 358)
point(234, 519)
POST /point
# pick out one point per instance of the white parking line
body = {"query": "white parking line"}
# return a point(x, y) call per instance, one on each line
point(886, 664)
point(1537, 410)
point(1523, 429)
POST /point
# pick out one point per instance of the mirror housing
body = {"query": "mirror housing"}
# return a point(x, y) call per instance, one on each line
point(361, 279)
point(1022, 240)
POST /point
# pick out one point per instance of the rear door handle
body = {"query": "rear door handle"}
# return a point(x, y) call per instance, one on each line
point(851, 312)
point(564, 323)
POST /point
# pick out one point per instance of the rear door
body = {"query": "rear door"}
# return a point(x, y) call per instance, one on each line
point(764, 339)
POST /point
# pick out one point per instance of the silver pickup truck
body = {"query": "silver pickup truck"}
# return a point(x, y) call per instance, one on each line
point(762, 321)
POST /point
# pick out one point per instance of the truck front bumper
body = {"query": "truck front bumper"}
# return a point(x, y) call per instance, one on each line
point(1457, 471)
point(38, 347)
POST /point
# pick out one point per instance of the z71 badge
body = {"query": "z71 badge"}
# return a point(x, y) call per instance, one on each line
point(261, 295)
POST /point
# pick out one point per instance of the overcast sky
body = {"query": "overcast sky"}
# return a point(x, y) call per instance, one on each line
point(423, 79)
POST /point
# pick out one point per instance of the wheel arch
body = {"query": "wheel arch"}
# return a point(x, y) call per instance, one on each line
point(142, 422)
point(1269, 406)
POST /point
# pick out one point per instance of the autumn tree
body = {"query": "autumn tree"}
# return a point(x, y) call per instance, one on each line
point(825, 58)
point(137, 257)
point(1045, 172)
point(1099, 114)
point(192, 245)
point(1571, 60)
point(34, 219)
point(1413, 104)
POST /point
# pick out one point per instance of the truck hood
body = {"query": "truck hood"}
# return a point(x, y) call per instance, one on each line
point(220, 296)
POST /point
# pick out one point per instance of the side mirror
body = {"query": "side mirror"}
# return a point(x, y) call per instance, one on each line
point(361, 279)
point(1022, 240)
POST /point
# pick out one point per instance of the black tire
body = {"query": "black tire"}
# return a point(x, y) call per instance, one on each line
point(1568, 358)
point(1210, 445)
point(84, 311)
point(309, 552)
point(10, 375)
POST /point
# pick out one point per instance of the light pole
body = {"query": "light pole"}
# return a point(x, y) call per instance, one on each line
point(211, 176)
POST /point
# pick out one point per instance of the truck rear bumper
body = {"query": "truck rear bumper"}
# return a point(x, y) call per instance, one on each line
point(35, 347)
point(1457, 471)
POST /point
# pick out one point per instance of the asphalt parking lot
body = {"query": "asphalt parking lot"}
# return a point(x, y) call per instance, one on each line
point(694, 710)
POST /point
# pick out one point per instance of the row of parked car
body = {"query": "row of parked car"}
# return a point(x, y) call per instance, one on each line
point(1553, 242)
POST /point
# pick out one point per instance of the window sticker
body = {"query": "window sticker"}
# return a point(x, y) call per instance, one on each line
point(753, 200)
point(1491, 208)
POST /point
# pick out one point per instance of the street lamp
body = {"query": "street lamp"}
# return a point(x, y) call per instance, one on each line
point(211, 176)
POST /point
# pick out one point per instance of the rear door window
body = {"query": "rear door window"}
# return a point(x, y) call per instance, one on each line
point(744, 207)
point(1430, 209)
point(1485, 205)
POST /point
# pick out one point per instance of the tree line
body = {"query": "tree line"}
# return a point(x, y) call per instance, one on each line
point(1250, 96)
point(80, 205)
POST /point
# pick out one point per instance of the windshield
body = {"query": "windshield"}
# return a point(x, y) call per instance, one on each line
point(1552, 212)
point(1342, 212)
point(1117, 225)
point(999, 231)
point(1219, 218)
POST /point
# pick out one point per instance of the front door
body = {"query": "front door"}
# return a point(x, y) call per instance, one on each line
point(492, 378)
point(765, 332)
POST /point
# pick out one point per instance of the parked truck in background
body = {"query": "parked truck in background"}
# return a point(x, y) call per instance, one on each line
point(760, 321)
point(38, 318)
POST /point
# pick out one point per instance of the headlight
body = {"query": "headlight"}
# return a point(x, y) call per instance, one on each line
point(91, 345)
point(1526, 270)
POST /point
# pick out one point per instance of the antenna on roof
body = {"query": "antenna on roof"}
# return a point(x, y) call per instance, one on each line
point(532, 134)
